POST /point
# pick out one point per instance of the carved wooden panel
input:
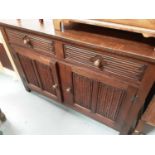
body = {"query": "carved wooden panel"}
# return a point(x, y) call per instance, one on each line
point(109, 100)
point(82, 90)
point(110, 64)
point(28, 68)
point(45, 77)
point(44, 45)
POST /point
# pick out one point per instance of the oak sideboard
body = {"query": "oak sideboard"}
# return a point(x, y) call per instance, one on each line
point(102, 72)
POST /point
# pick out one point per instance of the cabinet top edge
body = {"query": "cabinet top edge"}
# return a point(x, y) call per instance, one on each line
point(47, 29)
point(143, 26)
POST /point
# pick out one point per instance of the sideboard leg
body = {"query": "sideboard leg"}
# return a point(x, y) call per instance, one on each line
point(26, 86)
point(139, 128)
point(2, 119)
point(125, 130)
point(2, 116)
point(124, 133)
point(28, 89)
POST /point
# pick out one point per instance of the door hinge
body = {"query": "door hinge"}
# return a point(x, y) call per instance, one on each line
point(134, 98)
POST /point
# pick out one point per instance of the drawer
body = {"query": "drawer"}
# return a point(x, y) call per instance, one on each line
point(39, 44)
point(105, 62)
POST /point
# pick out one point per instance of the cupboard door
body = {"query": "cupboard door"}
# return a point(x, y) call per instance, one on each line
point(40, 75)
point(48, 78)
point(97, 96)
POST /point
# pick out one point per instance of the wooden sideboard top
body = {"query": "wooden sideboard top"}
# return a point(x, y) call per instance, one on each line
point(124, 46)
point(47, 27)
point(144, 26)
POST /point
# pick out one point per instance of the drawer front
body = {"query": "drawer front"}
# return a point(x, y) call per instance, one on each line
point(105, 62)
point(41, 44)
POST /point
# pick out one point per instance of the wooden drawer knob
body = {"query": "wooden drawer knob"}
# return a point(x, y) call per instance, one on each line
point(55, 86)
point(27, 42)
point(68, 90)
point(97, 63)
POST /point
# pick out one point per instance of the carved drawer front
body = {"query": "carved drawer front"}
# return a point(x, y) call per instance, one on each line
point(107, 63)
point(41, 44)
